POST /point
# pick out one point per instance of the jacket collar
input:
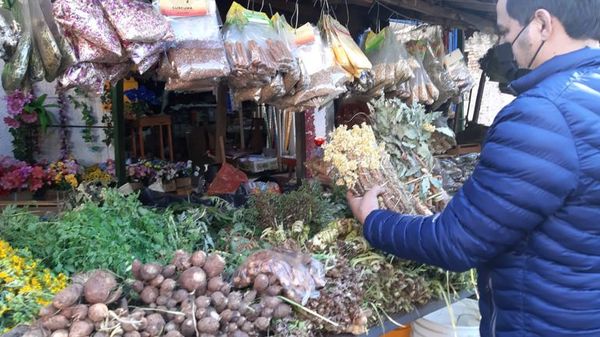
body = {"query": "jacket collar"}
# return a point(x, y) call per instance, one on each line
point(584, 57)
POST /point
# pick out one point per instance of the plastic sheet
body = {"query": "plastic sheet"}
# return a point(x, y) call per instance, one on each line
point(135, 20)
point(139, 51)
point(438, 75)
point(346, 51)
point(148, 63)
point(227, 181)
point(459, 71)
point(44, 41)
point(87, 76)
point(299, 274)
point(421, 88)
point(85, 19)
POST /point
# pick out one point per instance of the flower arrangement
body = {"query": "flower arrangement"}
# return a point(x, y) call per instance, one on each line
point(17, 176)
point(95, 174)
point(186, 169)
point(64, 174)
point(25, 113)
point(25, 286)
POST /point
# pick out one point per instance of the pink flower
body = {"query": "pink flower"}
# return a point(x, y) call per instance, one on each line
point(29, 118)
point(11, 122)
point(16, 101)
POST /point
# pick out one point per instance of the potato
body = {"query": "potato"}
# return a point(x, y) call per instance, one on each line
point(202, 301)
point(150, 271)
point(149, 295)
point(68, 296)
point(179, 319)
point(171, 325)
point(270, 301)
point(192, 279)
point(99, 287)
point(267, 312)
point(98, 312)
point(171, 303)
point(155, 325)
point(200, 313)
point(180, 295)
point(167, 286)
point(76, 313)
point(174, 333)
point(181, 260)
point(169, 271)
point(157, 281)
point(55, 322)
point(81, 329)
point(215, 284)
point(248, 327)
point(282, 310)
point(218, 300)
point(226, 289)
point(188, 328)
point(261, 282)
point(35, 332)
point(254, 311)
point(234, 300)
point(240, 321)
point(132, 334)
point(198, 259)
point(48, 310)
point(60, 333)
point(231, 327)
point(226, 315)
point(137, 286)
point(136, 266)
point(100, 334)
point(250, 296)
point(208, 324)
point(162, 300)
point(239, 333)
point(262, 323)
point(274, 290)
point(214, 266)
point(144, 334)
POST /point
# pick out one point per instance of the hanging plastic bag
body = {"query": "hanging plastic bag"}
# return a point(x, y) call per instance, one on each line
point(65, 45)
point(422, 90)
point(44, 41)
point(89, 52)
point(147, 63)
point(9, 36)
point(85, 19)
point(87, 76)
point(135, 20)
point(346, 51)
point(198, 53)
point(16, 68)
point(459, 72)
point(36, 67)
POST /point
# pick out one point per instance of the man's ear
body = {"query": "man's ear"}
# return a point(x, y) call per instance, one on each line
point(545, 22)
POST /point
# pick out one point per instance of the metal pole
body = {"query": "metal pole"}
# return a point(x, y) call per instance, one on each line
point(119, 131)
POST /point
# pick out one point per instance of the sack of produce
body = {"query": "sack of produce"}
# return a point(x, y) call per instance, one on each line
point(16, 68)
point(85, 19)
point(44, 42)
point(135, 20)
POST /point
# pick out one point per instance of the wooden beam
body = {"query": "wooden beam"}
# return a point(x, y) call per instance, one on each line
point(118, 119)
point(221, 123)
point(426, 8)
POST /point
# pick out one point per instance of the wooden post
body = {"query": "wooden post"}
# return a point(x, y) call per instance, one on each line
point(119, 131)
point(221, 119)
point(300, 146)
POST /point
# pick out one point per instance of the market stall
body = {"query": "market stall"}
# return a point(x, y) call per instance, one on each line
point(219, 101)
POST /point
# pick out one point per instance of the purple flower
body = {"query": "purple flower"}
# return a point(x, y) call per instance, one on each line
point(29, 118)
point(16, 101)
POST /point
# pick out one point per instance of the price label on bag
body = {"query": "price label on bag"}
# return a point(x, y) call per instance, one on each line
point(184, 7)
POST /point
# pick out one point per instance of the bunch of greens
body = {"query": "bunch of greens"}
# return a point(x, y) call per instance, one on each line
point(107, 234)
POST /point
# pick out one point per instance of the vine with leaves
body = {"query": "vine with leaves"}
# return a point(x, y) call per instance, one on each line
point(80, 101)
point(106, 100)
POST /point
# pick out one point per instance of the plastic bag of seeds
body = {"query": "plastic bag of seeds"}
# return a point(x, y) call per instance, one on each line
point(457, 67)
point(89, 52)
point(439, 76)
point(299, 275)
point(86, 76)
point(44, 41)
point(36, 71)
point(85, 19)
point(135, 20)
point(16, 68)
point(148, 63)
point(9, 36)
point(65, 45)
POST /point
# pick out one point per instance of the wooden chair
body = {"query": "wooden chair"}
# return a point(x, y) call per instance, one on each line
point(137, 134)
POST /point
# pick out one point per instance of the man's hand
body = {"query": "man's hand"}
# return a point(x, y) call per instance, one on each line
point(363, 206)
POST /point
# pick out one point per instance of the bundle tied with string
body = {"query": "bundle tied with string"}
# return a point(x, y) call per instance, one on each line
point(360, 163)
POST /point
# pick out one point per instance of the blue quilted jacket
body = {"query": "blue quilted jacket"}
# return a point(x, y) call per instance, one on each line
point(529, 217)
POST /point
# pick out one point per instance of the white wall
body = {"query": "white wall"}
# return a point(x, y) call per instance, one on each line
point(50, 142)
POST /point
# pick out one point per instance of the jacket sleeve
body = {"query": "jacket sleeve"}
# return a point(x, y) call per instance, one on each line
point(528, 167)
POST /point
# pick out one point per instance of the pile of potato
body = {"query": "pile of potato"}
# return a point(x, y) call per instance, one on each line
point(187, 298)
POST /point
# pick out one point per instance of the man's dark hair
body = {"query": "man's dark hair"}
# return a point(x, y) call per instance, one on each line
point(581, 18)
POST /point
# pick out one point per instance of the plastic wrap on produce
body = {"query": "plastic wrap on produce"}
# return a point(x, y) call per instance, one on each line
point(347, 53)
point(85, 19)
point(88, 76)
point(15, 69)
point(135, 20)
point(459, 71)
point(199, 63)
point(165, 69)
point(175, 84)
point(139, 51)
point(36, 67)
point(44, 41)
point(117, 72)
point(148, 63)
point(9, 34)
point(65, 45)
point(422, 90)
point(299, 274)
point(439, 76)
point(89, 52)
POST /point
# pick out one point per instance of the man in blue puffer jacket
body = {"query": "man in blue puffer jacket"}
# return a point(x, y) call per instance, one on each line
point(529, 217)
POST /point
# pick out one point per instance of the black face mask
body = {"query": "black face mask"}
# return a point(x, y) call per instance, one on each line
point(500, 65)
